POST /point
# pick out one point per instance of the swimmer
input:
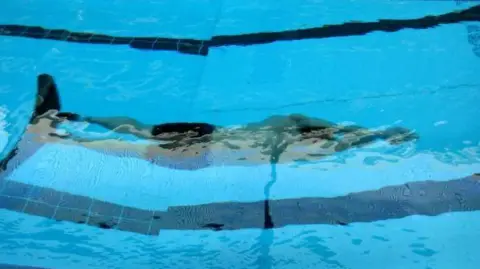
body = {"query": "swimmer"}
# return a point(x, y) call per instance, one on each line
point(277, 139)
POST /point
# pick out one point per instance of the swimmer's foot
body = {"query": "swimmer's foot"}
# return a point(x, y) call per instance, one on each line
point(398, 135)
point(59, 135)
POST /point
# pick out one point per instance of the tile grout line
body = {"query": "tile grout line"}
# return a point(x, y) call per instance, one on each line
point(69, 208)
point(58, 205)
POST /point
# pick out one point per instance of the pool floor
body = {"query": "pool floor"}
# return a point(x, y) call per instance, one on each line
point(395, 63)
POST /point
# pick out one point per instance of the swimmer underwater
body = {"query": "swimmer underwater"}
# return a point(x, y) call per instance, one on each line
point(277, 139)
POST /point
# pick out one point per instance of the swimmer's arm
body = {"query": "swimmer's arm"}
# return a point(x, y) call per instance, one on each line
point(114, 144)
point(97, 143)
point(331, 126)
point(357, 141)
point(77, 139)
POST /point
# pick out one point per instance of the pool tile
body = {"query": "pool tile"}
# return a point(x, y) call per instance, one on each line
point(35, 32)
point(14, 29)
point(191, 217)
point(101, 39)
point(103, 222)
point(155, 227)
point(39, 209)
point(134, 226)
point(117, 40)
point(11, 266)
point(159, 215)
point(12, 203)
point(106, 209)
point(149, 45)
point(190, 48)
point(138, 44)
point(76, 202)
point(16, 189)
point(45, 195)
point(57, 34)
point(73, 215)
point(80, 37)
point(137, 214)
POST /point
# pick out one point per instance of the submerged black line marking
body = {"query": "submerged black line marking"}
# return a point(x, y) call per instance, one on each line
point(183, 45)
point(348, 29)
point(201, 47)
point(14, 266)
point(427, 198)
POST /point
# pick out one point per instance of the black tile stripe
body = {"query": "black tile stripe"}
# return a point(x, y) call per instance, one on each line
point(12, 266)
point(428, 198)
point(348, 29)
point(63, 206)
point(189, 46)
point(201, 47)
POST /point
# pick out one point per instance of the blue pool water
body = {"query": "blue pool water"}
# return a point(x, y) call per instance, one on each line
point(423, 79)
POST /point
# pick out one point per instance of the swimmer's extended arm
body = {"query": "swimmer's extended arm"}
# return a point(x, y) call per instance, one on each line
point(78, 139)
point(394, 135)
point(307, 124)
point(355, 135)
point(102, 144)
point(356, 141)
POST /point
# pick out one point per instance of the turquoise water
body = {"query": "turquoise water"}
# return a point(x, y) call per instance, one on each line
point(425, 80)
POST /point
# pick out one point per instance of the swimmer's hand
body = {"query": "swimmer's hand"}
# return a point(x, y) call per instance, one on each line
point(63, 135)
point(52, 137)
point(398, 135)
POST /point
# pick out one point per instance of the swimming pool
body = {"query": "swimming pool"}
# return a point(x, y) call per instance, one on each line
point(207, 69)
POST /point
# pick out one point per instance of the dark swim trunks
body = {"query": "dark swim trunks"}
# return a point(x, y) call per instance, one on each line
point(200, 129)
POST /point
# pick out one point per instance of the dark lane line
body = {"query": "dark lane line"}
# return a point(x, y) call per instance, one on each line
point(201, 47)
point(427, 198)
point(188, 46)
point(11, 266)
point(348, 29)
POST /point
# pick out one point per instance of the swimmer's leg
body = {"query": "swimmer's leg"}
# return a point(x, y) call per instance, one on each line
point(124, 125)
point(47, 100)
point(165, 131)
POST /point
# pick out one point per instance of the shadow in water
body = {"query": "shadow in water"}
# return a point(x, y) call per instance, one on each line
point(265, 240)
